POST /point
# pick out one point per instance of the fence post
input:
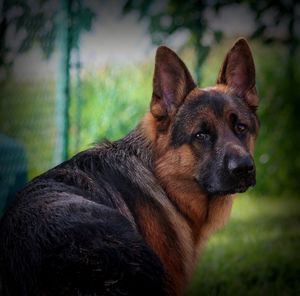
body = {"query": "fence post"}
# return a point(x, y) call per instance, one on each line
point(78, 96)
point(63, 81)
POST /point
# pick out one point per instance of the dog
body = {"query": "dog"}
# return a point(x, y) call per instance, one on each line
point(131, 217)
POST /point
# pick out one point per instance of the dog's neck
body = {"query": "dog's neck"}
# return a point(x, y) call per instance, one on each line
point(188, 199)
point(138, 145)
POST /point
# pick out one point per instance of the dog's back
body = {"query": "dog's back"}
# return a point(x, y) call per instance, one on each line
point(72, 230)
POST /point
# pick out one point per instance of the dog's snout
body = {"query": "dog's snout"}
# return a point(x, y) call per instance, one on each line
point(240, 165)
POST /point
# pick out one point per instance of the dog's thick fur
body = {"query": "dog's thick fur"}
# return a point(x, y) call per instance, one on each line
point(131, 217)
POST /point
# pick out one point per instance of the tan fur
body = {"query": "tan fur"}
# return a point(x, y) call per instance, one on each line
point(173, 259)
point(193, 216)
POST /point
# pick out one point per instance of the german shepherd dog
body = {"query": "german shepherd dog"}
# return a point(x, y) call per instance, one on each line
point(130, 217)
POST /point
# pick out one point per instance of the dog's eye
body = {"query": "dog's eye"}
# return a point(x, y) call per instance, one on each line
point(204, 133)
point(241, 128)
point(202, 136)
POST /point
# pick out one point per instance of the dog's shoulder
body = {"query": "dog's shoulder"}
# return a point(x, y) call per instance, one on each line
point(110, 173)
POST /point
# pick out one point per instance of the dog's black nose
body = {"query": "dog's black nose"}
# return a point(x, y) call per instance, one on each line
point(239, 166)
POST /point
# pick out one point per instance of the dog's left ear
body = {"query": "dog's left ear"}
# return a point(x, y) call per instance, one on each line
point(238, 73)
point(171, 84)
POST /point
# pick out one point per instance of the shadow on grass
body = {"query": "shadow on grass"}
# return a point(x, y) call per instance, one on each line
point(255, 255)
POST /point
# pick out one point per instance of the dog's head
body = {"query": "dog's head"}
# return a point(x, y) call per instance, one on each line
point(205, 135)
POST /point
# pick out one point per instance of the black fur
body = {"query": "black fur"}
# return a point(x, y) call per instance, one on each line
point(65, 234)
point(190, 112)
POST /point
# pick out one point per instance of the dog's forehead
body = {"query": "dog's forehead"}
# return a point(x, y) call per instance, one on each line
point(213, 100)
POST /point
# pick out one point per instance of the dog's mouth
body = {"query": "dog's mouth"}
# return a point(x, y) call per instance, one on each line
point(242, 186)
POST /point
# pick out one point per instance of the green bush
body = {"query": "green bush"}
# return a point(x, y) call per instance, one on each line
point(113, 101)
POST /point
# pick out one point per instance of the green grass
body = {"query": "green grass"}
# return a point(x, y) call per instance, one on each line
point(256, 254)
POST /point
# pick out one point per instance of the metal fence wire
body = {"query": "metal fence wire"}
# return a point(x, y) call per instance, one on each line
point(34, 111)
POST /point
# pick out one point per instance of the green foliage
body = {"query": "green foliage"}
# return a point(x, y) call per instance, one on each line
point(37, 22)
point(278, 143)
point(256, 254)
point(280, 14)
point(113, 102)
point(81, 18)
point(172, 16)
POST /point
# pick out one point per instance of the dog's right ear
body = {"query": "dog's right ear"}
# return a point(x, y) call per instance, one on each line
point(238, 73)
point(171, 83)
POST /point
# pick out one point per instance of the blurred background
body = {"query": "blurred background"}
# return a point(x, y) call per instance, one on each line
point(73, 72)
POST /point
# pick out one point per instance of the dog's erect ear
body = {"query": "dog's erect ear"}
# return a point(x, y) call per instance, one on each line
point(238, 73)
point(171, 83)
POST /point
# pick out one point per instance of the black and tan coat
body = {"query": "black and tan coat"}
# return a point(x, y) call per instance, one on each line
point(131, 217)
